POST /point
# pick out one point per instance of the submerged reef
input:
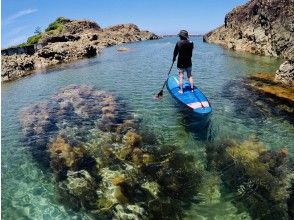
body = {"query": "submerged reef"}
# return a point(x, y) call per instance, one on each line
point(259, 178)
point(103, 163)
point(259, 96)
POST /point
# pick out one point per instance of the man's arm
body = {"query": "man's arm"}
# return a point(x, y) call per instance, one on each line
point(192, 47)
point(176, 51)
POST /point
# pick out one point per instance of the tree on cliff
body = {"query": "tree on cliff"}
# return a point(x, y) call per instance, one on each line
point(38, 30)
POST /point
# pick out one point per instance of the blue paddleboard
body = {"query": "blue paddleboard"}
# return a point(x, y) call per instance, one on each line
point(195, 101)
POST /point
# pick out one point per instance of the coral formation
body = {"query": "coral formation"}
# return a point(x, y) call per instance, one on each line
point(259, 178)
point(101, 161)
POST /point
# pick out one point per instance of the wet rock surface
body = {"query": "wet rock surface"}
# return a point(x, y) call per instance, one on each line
point(100, 159)
point(76, 40)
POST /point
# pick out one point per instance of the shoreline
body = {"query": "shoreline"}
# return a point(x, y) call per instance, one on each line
point(62, 65)
point(77, 40)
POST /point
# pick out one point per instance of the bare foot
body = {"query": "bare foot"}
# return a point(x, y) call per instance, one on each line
point(181, 91)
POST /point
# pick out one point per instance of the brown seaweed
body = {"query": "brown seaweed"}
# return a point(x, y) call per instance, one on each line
point(260, 178)
point(103, 163)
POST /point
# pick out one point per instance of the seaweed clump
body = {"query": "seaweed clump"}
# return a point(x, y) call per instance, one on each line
point(101, 160)
point(259, 178)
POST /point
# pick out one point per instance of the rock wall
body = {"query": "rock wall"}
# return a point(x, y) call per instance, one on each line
point(78, 39)
point(264, 27)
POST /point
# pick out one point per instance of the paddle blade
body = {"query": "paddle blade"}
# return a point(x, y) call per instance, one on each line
point(160, 94)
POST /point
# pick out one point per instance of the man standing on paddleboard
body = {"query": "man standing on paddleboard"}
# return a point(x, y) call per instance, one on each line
point(184, 49)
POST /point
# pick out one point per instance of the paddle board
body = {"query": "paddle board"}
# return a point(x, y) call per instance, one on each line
point(195, 101)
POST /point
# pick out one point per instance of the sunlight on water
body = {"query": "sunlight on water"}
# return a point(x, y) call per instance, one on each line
point(30, 192)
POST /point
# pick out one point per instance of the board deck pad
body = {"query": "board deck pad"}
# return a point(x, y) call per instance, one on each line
point(196, 101)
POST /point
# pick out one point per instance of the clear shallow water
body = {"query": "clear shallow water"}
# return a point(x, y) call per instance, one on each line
point(136, 76)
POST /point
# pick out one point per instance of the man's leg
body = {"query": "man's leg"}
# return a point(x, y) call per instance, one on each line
point(181, 76)
point(189, 74)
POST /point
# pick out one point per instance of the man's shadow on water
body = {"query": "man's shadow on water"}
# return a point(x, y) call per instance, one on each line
point(199, 127)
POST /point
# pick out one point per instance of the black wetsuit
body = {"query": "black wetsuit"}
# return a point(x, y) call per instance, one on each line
point(184, 48)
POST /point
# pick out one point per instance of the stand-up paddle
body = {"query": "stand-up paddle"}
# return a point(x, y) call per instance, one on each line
point(160, 94)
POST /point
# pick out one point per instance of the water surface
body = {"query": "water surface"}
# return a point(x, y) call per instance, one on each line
point(29, 192)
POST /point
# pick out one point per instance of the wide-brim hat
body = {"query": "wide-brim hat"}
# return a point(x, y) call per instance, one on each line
point(183, 33)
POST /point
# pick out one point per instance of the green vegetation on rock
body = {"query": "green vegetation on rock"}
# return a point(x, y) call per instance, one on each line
point(56, 25)
point(34, 39)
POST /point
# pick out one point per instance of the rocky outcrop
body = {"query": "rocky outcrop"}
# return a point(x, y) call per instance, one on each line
point(71, 41)
point(264, 27)
point(16, 66)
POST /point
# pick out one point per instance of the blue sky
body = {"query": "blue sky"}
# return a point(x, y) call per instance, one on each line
point(21, 17)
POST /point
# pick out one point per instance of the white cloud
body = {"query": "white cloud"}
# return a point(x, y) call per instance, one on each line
point(19, 14)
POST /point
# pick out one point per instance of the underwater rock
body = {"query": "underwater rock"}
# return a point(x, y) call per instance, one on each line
point(72, 111)
point(259, 97)
point(103, 163)
point(63, 151)
point(265, 83)
point(109, 191)
point(260, 178)
point(132, 139)
point(79, 182)
point(152, 187)
point(175, 172)
point(130, 212)
point(122, 49)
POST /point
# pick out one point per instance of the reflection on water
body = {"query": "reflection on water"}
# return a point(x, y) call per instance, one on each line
point(30, 192)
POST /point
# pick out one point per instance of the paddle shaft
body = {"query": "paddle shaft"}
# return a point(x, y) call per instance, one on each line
point(167, 75)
